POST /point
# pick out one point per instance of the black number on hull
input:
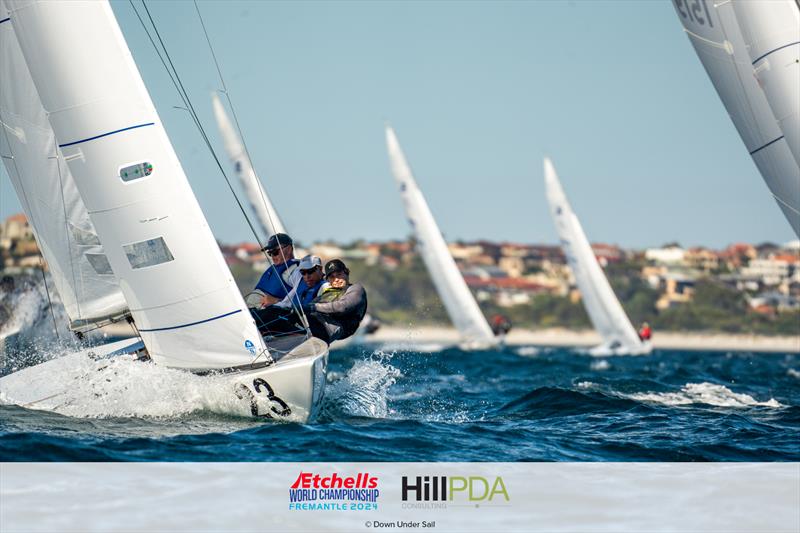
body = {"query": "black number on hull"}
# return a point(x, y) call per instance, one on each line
point(285, 410)
point(243, 392)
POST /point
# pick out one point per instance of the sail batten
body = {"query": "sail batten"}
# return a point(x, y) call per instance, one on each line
point(456, 296)
point(604, 310)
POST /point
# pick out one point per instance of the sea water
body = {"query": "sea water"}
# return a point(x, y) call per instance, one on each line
point(437, 404)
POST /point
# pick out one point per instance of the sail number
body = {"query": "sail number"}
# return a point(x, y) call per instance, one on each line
point(276, 405)
point(693, 10)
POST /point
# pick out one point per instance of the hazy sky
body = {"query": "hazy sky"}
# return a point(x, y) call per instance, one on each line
point(479, 93)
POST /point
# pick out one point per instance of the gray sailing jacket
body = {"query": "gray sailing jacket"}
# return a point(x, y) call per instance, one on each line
point(347, 310)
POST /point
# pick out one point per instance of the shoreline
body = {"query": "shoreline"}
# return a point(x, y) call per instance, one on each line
point(560, 337)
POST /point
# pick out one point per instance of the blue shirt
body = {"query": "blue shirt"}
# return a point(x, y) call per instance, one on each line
point(302, 294)
point(271, 281)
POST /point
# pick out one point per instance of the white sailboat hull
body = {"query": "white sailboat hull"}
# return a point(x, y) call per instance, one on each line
point(290, 390)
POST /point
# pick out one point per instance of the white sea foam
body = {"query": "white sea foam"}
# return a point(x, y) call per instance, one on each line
point(602, 364)
point(79, 386)
point(794, 373)
point(362, 391)
point(704, 393)
point(528, 351)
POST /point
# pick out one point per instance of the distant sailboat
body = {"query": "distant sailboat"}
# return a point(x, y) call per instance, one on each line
point(458, 300)
point(751, 52)
point(82, 136)
point(259, 201)
point(602, 305)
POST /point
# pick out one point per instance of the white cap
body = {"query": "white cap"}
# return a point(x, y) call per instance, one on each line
point(309, 262)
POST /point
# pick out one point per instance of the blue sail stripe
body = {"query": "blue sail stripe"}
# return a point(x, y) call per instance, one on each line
point(192, 323)
point(771, 142)
point(106, 134)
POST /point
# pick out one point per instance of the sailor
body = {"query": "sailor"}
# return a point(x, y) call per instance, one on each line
point(645, 332)
point(280, 277)
point(500, 325)
point(338, 309)
point(312, 280)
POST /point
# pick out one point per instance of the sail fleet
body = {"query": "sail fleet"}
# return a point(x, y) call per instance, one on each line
point(126, 240)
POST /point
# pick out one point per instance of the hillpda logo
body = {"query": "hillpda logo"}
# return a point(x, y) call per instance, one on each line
point(314, 492)
point(436, 492)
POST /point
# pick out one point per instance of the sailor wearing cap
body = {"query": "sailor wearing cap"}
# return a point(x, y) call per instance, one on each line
point(338, 309)
point(312, 281)
point(280, 277)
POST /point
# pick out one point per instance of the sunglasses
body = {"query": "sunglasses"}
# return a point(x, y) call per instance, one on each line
point(307, 272)
point(276, 251)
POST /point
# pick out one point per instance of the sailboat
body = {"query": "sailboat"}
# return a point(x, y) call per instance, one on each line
point(751, 50)
point(455, 295)
point(257, 197)
point(118, 223)
point(602, 305)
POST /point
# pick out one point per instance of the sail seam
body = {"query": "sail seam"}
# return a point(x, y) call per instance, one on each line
point(775, 50)
point(192, 323)
point(106, 134)
point(769, 143)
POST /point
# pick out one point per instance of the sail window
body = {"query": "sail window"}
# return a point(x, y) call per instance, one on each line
point(135, 171)
point(100, 264)
point(148, 253)
point(83, 237)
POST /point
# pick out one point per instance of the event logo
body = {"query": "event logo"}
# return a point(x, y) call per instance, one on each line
point(453, 489)
point(314, 492)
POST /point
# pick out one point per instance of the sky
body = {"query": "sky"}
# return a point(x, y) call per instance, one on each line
point(478, 93)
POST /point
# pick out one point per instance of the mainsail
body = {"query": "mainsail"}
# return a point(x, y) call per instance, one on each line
point(602, 305)
point(48, 194)
point(156, 239)
point(460, 305)
point(256, 195)
point(750, 52)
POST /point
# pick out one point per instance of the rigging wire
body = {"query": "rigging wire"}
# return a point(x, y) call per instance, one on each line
point(297, 308)
point(235, 116)
point(49, 301)
point(176, 80)
point(175, 77)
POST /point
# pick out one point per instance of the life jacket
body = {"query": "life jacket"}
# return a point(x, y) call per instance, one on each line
point(276, 279)
point(307, 294)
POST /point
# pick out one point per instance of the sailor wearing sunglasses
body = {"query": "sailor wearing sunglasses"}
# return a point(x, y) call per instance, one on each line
point(279, 279)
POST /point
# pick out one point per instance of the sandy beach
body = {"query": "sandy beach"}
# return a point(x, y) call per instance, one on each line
point(586, 338)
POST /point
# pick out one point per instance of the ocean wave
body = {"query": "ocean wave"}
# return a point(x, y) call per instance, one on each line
point(555, 401)
point(704, 393)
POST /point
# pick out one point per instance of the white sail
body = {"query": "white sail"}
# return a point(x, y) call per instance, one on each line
point(449, 283)
point(771, 32)
point(715, 33)
point(602, 305)
point(260, 203)
point(46, 189)
point(180, 292)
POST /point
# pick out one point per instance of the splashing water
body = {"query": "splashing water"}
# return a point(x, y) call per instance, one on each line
point(362, 391)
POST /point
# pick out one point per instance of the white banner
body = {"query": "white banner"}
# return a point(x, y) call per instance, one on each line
point(507, 497)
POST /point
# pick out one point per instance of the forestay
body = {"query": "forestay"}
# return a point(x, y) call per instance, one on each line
point(602, 305)
point(180, 292)
point(259, 201)
point(449, 283)
point(716, 35)
point(46, 189)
